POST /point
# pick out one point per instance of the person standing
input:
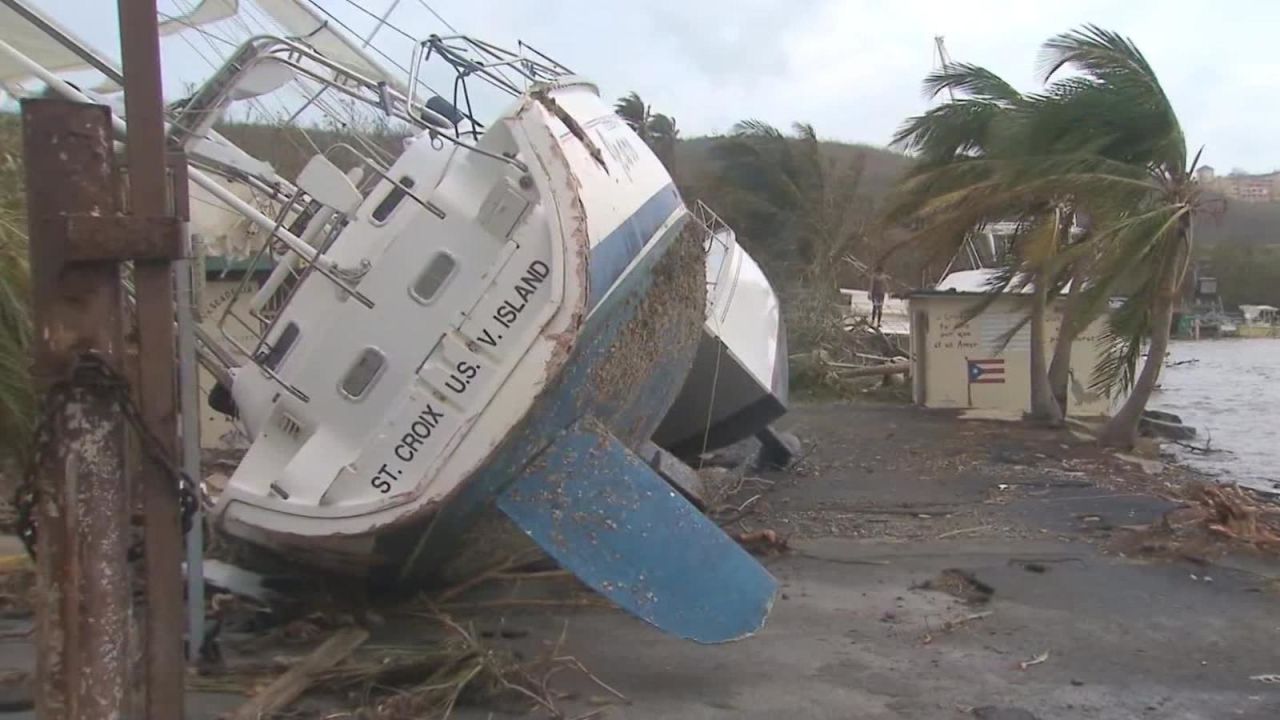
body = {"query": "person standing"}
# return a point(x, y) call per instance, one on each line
point(879, 288)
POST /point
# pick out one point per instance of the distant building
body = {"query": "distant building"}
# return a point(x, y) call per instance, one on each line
point(1242, 186)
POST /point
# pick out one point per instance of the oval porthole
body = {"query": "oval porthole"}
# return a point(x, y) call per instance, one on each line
point(362, 373)
point(433, 277)
point(393, 199)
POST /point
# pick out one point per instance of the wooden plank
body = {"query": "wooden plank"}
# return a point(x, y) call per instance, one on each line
point(295, 681)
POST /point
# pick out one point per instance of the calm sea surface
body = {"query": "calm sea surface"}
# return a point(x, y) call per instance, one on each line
point(1230, 391)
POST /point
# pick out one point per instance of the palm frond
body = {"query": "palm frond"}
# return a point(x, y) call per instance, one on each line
point(972, 80)
point(1125, 100)
point(1127, 327)
point(752, 127)
point(1095, 51)
point(17, 396)
point(634, 112)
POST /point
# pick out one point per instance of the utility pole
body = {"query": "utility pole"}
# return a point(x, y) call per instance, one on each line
point(81, 513)
point(149, 196)
point(79, 494)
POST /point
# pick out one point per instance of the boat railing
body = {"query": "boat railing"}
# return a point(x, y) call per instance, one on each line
point(311, 214)
point(265, 63)
point(716, 232)
point(509, 71)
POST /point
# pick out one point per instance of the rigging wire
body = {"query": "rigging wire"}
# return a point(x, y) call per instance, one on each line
point(439, 17)
point(395, 28)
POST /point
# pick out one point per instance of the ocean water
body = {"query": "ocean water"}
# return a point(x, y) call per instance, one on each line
point(1230, 391)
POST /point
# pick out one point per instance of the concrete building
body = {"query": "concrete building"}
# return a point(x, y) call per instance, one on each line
point(958, 364)
point(1240, 186)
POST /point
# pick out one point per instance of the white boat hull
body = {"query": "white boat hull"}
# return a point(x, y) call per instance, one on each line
point(739, 380)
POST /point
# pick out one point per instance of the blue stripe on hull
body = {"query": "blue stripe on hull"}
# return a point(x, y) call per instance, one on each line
point(610, 256)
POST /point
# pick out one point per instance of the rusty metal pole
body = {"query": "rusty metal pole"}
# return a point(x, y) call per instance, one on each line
point(153, 283)
point(82, 517)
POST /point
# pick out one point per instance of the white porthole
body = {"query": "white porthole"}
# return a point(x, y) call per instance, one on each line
point(363, 372)
point(433, 277)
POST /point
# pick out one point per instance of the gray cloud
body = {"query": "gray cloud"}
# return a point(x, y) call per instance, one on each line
point(850, 67)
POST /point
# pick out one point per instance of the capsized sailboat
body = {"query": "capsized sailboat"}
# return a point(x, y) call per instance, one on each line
point(490, 319)
point(739, 380)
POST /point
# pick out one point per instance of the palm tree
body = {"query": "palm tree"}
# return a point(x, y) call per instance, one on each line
point(799, 211)
point(1120, 148)
point(657, 130)
point(633, 110)
point(17, 397)
point(968, 150)
point(793, 195)
point(663, 136)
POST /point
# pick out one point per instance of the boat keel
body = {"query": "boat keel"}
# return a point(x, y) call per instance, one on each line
point(606, 516)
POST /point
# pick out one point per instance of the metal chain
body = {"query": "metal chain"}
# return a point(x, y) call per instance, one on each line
point(91, 371)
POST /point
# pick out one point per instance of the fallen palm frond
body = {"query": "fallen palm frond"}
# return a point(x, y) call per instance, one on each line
point(427, 680)
point(1211, 519)
point(763, 542)
point(1233, 513)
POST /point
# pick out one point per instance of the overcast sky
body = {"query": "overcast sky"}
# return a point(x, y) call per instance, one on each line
point(851, 68)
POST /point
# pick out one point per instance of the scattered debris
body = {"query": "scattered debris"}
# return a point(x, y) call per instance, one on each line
point(964, 531)
point(762, 542)
point(960, 584)
point(1150, 467)
point(1037, 660)
point(524, 565)
point(957, 623)
point(1228, 512)
point(295, 681)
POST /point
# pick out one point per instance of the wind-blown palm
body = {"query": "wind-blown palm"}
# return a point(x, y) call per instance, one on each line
point(967, 149)
point(633, 110)
point(657, 130)
point(17, 398)
point(1132, 164)
point(789, 188)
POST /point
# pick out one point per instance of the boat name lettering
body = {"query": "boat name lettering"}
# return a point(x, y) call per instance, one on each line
point(509, 310)
point(419, 431)
point(461, 377)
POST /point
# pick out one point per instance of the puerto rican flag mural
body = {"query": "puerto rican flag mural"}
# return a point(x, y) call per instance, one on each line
point(990, 370)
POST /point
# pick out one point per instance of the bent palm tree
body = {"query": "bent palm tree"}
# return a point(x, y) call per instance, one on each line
point(968, 150)
point(657, 130)
point(791, 189)
point(633, 110)
point(1135, 165)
